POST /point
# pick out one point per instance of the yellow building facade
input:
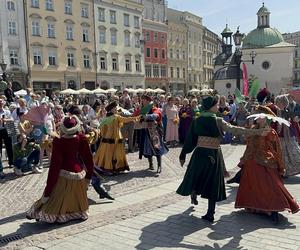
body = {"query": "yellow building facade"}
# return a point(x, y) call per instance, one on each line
point(60, 44)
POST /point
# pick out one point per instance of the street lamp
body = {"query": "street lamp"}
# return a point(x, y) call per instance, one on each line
point(238, 37)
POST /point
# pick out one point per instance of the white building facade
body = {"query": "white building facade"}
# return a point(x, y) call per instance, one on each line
point(119, 52)
point(13, 42)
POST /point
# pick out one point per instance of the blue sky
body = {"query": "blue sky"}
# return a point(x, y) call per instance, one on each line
point(285, 14)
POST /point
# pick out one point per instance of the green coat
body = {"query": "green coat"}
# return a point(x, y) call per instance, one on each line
point(204, 173)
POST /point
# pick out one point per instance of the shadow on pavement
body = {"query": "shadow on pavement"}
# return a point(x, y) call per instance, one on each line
point(171, 232)
point(292, 180)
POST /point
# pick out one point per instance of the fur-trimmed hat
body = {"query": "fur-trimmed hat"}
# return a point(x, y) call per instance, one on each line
point(70, 125)
point(209, 101)
point(110, 106)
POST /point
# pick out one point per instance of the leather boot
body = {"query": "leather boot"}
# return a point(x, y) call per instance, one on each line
point(158, 164)
point(150, 160)
point(210, 211)
point(194, 200)
point(100, 189)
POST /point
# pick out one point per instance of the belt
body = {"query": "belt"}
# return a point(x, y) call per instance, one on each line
point(111, 141)
point(208, 142)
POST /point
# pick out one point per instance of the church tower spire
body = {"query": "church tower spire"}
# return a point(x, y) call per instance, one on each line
point(263, 17)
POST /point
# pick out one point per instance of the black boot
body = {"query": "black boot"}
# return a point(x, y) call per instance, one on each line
point(236, 178)
point(100, 189)
point(210, 212)
point(194, 198)
point(158, 164)
point(275, 218)
point(150, 160)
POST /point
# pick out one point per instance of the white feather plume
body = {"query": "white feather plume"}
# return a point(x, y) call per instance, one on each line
point(270, 117)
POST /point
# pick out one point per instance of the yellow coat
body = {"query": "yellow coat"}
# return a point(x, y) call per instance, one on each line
point(111, 156)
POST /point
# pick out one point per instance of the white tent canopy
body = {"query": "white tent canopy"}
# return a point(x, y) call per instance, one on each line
point(148, 90)
point(194, 90)
point(85, 91)
point(99, 91)
point(159, 91)
point(111, 90)
point(140, 90)
point(69, 92)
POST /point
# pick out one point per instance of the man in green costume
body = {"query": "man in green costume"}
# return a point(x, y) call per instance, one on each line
point(204, 175)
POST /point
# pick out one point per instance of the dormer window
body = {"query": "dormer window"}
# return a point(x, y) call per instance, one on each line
point(11, 5)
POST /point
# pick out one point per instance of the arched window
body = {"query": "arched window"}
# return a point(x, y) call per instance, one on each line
point(10, 5)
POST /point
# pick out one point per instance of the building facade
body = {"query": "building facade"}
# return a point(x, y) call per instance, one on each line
point(294, 38)
point(155, 33)
point(120, 59)
point(12, 45)
point(60, 39)
point(212, 46)
point(195, 29)
point(177, 52)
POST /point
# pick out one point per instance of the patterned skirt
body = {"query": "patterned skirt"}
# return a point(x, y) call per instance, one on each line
point(291, 154)
point(68, 200)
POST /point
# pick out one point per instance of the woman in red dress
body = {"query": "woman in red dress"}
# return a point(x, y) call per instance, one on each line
point(261, 188)
point(71, 168)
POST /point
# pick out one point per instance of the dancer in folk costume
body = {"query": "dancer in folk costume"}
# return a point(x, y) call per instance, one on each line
point(186, 117)
point(110, 155)
point(289, 143)
point(205, 173)
point(71, 168)
point(172, 123)
point(261, 187)
point(151, 135)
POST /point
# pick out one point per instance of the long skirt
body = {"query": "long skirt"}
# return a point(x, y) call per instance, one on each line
point(262, 189)
point(172, 131)
point(205, 175)
point(291, 154)
point(68, 200)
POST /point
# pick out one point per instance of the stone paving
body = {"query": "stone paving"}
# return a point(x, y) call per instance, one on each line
point(147, 214)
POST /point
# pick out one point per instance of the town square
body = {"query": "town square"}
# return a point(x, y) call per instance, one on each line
point(149, 124)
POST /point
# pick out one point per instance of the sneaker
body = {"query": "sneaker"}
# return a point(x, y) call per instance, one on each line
point(18, 171)
point(2, 175)
point(36, 170)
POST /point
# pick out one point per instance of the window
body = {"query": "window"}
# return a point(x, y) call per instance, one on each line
point(115, 63)
point(102, 62)
point(137, 40)
point(85, 10)
point(171, 53)
point(163, 71)
point(52, 58)
point(190, 62)
point(195, 78)
point(12, 28)
point(86, 61)
point(101, 14)
point(136, 20)
point(183, 73)
point(172, 72)
point(177, 54)
point(178, 72)
point(85, 34)
point(51, 32)
point(113, 17)
point(102, 35)
point(35, 3)
point(37, 56)
point(126, 38)
point(113, 34)
point(155, 37)
point(156, 71)
point(147, 36)
point(155, 53)
point(13, 56)
point(36, 28)
point(148, 52)
point(70, 59)
point(190, 77)
point(126, 20)
point(69, 32)
point(138, 65)
point(10, 5)
point(162, 38)
point(183, 55)
point(68, 7)
point(163, 54)
point(49, 4)
point(148, 71)
point(128, 64)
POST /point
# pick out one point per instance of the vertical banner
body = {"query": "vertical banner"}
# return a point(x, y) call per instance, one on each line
point(245, 80)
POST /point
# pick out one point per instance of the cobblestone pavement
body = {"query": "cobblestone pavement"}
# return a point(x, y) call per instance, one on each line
point(147, 214)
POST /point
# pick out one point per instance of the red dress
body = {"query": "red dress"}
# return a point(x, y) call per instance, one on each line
point(261, 187)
